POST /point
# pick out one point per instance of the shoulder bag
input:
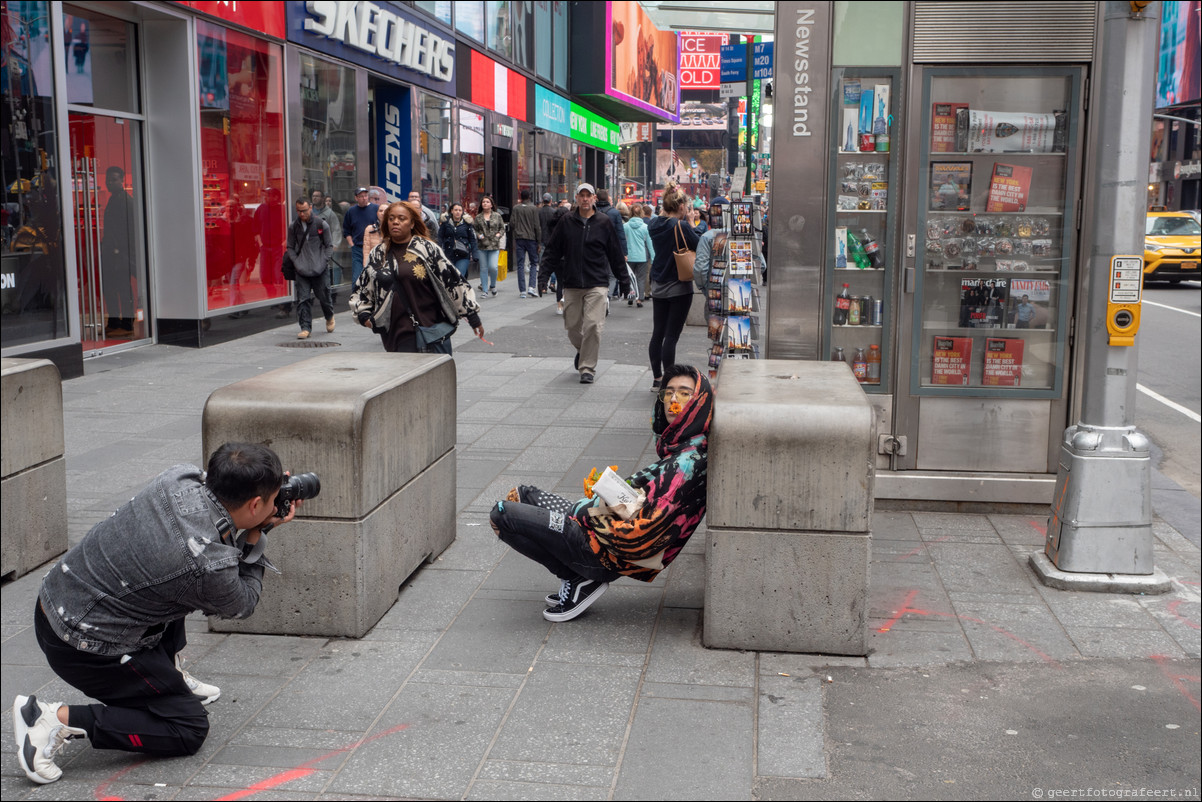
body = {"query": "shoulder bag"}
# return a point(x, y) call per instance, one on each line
point(434, 339)
point(683, 256)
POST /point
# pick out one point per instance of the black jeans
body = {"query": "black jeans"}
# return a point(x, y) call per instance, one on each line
point(668, 317)
point(306, 288)
point(551, 539)
point(146, 705)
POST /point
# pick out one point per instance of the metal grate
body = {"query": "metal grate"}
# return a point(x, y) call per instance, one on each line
point(1012, 31)
point(309, 344)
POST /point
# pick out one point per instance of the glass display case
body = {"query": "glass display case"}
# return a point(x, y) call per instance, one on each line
point(996, 231)
point(859, 267)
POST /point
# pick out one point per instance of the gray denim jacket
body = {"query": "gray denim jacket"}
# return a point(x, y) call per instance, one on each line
point(158, 558)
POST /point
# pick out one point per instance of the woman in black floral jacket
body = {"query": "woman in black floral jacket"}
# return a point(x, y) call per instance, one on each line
point(408, 281)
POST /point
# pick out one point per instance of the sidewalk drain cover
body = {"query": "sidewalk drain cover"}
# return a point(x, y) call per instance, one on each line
point(309, 344)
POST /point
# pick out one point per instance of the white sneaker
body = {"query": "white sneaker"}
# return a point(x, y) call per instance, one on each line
point(559, 308)
point(39, 736)
point(522, 295)
point(207, 693)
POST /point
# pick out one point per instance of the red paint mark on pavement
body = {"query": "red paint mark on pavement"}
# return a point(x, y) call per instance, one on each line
point(910, 554)
point(270, 782)
point(1042, 529)
point(906, 609)
point(101, 792)
point(1172, 608)
point(1178, 679)
point(301, 771)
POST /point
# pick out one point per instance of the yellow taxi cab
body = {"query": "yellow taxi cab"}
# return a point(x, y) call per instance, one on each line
point(1172, 246)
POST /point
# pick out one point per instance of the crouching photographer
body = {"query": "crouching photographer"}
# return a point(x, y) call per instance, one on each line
point(110, 613)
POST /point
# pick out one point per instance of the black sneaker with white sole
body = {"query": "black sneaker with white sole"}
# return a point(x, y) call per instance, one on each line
point(575, 596)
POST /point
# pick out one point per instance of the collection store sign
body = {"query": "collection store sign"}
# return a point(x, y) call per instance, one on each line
point(381, 36)
point(394, 146)
point(552, 112)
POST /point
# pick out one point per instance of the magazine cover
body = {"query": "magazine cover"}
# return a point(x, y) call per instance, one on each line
point(951, 186)
point(1008, 188)
point(983, 302)
point(951, 360)
point(1003, 362)
point(943, 126)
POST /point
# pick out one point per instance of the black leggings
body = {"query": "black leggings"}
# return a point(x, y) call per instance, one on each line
point(147, 707)
point(668, 317)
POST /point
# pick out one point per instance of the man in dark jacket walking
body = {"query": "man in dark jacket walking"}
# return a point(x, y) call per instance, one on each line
point(614, 216)
point(309, 248)
point(526, 233)
point(584, 252)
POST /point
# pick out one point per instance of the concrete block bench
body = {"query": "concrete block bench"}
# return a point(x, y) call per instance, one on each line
point(790, 508)
point(34, 483)
point(379, 431)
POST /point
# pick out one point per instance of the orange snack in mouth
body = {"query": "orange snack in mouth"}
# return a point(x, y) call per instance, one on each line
point(675, 408)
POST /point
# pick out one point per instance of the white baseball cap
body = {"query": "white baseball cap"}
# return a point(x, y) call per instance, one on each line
point(586, 187)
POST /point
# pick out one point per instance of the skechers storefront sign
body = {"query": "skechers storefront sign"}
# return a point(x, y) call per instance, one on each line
point(376, 35)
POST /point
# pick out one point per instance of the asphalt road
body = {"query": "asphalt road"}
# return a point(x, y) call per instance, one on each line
point(1170, 364)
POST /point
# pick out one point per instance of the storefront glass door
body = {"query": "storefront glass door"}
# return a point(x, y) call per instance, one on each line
point(110, 242)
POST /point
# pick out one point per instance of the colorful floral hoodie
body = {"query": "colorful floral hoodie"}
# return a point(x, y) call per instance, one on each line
point(676, 490)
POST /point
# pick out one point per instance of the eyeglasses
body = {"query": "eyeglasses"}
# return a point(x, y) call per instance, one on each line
point(684, 394)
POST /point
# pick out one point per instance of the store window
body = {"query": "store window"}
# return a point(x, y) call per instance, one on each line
point(498, 31)
point(559, 36)
point(996, 240)
point(551, 161)
point(469, 19)
point(328, 146)
point(471, 155)
point(525, 143)
point(97, 46)
point(523, 34)
point(434, 151)
point(242, 156)
point(438, 9)
point(542, 39)
point(34, 295)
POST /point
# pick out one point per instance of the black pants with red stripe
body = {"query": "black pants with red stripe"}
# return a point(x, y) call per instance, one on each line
point(145, 705)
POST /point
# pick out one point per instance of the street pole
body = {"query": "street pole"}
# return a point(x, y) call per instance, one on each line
point(1100, 533)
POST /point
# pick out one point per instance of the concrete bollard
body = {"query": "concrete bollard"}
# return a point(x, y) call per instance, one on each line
point(789, 512)
point(34, 484)
point(379, 431)
point(697, 315)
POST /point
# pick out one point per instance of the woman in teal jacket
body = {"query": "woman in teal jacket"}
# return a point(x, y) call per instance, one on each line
point(640, 253)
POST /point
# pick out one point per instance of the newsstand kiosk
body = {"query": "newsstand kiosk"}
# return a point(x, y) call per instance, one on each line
point(951, 140)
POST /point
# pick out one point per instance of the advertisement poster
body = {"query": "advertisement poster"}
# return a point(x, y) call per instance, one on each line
point(951, 186)
point(1003, 362)
point(643, 60)
point(1008, 188)
point(951, 360)
point(700, 59)
point(1178, 67)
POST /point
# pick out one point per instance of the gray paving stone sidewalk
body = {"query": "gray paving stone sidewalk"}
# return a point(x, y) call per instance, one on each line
point(464, 691)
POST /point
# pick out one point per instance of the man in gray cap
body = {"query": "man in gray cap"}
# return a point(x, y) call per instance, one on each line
point(583, 252)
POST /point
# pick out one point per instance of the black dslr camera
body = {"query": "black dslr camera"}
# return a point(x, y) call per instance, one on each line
point(301, 486)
